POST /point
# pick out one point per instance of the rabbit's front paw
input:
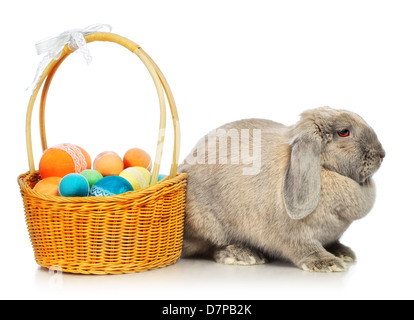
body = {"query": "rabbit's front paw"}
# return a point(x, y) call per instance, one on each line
point(323, 264)
point(238, 255)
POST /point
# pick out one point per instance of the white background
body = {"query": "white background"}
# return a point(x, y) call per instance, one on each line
point(225, 60)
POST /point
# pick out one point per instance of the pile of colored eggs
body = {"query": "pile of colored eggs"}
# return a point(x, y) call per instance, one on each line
point(66, 170)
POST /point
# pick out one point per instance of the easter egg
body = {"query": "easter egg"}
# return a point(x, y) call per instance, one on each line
point(92, 176)
point(160, 177)
point(48, 186)
point(138, 177)
point(110, 186)
point(74, 185)
point(63, 159)
point(108, 163)
point(136, 157)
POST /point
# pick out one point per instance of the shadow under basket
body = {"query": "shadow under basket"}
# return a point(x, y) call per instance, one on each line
point(135, 231)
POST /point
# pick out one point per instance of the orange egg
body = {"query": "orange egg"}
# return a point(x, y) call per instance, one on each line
point(49, 186)
point(60, 160)
point(108, 163)
point(136, 157)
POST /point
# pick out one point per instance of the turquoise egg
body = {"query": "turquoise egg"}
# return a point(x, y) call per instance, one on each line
point(74, 185)
point(110, 186)
point(160, 177)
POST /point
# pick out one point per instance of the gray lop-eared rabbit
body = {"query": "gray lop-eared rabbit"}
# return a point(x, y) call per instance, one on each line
point(315, 179)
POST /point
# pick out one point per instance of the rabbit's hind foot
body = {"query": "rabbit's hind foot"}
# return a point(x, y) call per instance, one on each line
point(238, 255)
point(341, 251)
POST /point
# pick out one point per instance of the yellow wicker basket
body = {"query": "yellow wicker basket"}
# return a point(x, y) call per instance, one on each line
point(131, 232)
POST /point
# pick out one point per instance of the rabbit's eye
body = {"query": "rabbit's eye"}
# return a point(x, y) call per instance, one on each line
point(343, 133)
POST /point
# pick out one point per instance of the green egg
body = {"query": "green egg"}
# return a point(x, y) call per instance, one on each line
point(92, 176)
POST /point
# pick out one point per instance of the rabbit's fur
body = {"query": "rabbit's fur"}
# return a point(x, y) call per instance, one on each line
point(312, 184)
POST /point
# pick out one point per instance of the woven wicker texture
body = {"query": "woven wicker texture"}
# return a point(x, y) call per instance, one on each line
point(131, 232)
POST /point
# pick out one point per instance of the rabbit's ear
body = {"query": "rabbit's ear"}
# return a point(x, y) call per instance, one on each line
point(302, 182)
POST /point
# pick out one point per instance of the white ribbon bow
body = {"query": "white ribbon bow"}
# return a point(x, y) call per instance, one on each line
point(53, 47)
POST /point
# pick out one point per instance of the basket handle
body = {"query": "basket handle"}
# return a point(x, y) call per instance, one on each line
point(160, 84)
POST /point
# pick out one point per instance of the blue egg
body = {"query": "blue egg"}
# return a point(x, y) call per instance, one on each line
point(110, 186)
point(74, 185)
point(160, 177)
